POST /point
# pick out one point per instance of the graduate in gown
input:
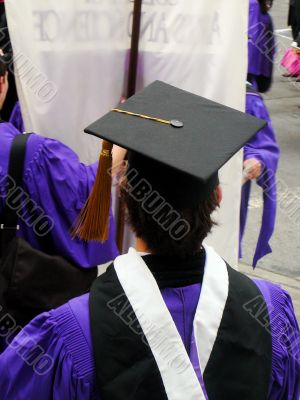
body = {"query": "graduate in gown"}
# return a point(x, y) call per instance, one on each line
point(261, 45)
point(170, 319)
point(261, 156)
point(57, 182)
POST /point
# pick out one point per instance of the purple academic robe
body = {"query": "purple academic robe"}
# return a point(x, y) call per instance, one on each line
point(261, 47)
point(16, 118)
point(67, 369)
point(264, 148)
point(58, 183)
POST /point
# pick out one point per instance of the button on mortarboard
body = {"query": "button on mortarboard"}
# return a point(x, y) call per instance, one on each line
point(176, 124)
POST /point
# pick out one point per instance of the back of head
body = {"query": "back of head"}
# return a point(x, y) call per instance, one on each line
point(167, 209)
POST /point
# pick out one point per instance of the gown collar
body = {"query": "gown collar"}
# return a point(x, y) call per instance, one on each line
point(171, 271)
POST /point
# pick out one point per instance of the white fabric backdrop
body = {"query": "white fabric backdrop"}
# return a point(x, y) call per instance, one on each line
point(75, 52)
point(69, 60)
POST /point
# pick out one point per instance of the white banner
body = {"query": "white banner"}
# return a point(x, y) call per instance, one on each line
point(79, 48)
point(69, 60)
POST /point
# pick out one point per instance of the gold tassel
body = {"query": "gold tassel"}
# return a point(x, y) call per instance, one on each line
point(93, 220)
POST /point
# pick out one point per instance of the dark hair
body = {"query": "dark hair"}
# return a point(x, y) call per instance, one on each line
point(3, 67)
point(160, 240)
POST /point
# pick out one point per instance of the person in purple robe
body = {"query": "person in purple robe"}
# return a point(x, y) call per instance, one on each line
point(169, 320)
point(261, 45)
point(58, 183)
point(261, 156)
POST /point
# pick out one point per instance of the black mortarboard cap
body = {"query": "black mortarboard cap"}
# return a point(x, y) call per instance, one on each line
point(183, 135)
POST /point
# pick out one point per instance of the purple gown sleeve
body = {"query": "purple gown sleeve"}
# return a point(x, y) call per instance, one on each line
point(285, 379)
point(64, 370)
point(264, 148)
point(58, 183)
point(16, 118)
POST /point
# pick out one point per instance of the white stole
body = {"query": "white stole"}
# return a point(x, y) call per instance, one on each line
point(178, 375)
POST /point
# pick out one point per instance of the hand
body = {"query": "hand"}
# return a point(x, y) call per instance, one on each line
point(252, 169)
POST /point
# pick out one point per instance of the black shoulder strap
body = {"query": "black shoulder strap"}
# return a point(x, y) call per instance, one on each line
point(9, 226)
